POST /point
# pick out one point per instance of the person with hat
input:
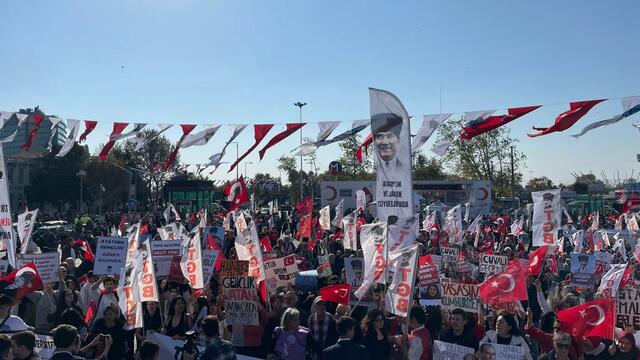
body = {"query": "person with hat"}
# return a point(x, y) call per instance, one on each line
point(322, 326)
point(584, 260)
point(386, 129)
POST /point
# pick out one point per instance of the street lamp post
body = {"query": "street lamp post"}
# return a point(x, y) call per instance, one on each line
point(235, 142)
point(245, 169)
point(81, 174)
point(300, 105)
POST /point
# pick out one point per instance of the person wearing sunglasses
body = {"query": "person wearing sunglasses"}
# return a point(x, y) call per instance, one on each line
point(561, 345)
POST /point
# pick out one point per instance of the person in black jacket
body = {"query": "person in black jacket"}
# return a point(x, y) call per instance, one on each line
point(346, 348)
point(460, 331)
point(67, 343)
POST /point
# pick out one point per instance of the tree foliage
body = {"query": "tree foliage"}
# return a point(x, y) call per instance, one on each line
point(351, 168)
point(485, 157)
point(425, 168)
point(539, 184)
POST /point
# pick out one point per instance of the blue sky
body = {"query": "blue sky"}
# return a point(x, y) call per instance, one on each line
point(213, 62)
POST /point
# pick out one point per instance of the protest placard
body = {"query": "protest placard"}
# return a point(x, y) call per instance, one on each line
point(234, 267)
point(111, 253)
point(324, 266)
point(44, 346)
point(241, 307)
point(209, 259)
point(354, 273)
point(430, 288)
point(307, 280)
point(502, 352)
point(463, 296)
point(448, 351)
point(603, 259)
point(583, 268)
point(492, 264)
point(47, 264)
point(628, 308)
point(449, 255)
point(280, 272)
point(162, 252)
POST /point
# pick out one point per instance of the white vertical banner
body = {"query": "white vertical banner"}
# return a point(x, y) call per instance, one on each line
point(361, 200)
point(191, 261)
point(248, 248)
point(128, 294)
point(373, 239)
point(325, 218)
point(453, 225)
point(148, 284)
point(392, 143)
point(403, 233)
point(547, 217)
point(398, 299)
point(26, 222)
point(350, 232)
point(6, 229)
point(337, 220)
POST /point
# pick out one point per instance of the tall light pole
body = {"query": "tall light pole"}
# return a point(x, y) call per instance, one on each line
point(81, 174)
point(245, 169)
point(235, 142)
point(300, 105)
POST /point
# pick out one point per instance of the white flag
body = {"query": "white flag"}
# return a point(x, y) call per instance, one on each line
point(54, 122)
point(8, 241)
point(236, 129)
point(325, 218)
point(325, 129)
point(74, 126)
point(611, 280)
point(547, 217)
point(453, 225)
point(373, 238)
point(630, 106)
point(148, 285)
point(22, 118)
point(620, 246)
point(248, 248)
point(141, 141)
point(475, 225)
point(4, 118)
point(566, 213)
point(518, 226)
point(129, 294)
point(350, 232)
point(441, 147)
point(26, 222)
point(200, 138)
point(337, 219)
point(430, 222)
point(403, 233)
point(356, 127)
point(429, 124)
point(398, 299)
point(170, 208)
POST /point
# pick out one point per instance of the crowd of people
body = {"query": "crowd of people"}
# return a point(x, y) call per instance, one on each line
point(81, 311)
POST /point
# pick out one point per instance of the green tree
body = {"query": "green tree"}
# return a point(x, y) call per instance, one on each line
point(539, 184)
point(485, 157)
point(425, 168)
point(350, 165)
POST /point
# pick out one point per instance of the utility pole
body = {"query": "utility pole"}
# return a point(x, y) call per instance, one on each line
point(513, 182)
point(300, 105)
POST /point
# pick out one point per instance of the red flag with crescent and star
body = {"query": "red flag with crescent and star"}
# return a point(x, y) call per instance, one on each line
point(236, 195)
point(21, 282)
point(305, 206)
point(595, 318)
point(505, 287)
point(338, 293)
point(537, 259)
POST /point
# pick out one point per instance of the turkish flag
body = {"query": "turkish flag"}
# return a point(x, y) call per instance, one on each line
point(305, 227)
point(493, 122)
point(595, 318)
point(237, 195)
point(536, 260)
point(338, 293)
point(266, 243)
point(506, 286)
point(85, 250)
point(305, 206)
point(21, 282)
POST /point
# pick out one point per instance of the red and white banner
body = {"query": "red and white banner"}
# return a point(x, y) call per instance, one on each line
point(191, 261)
point(148, 285)
point(325, 218)
point(129, 294)
point(337, 219)
point(453, 225)
point(260, 132)
point(373, 238)
point(398, 299)
point(248, 248)
point(611, 280)
point(26, 222)
point(429, 124)
point(350, 232)
point(547, 217)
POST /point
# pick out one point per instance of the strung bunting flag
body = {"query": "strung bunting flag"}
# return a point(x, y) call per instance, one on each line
point(137, 128)
point(37, 121)
point(291, 128)
point(429, 124)
point(364, 146)
point(260, 131)
point(565, 120)
point(22, 118)
point(481, 125)
point(356, 127)
point(202, 137)
point(215, 158)
point(4, 118)
point(54, 123)
point(440, 148)
point(630, 106)
point(141, 141)
point(186, 129)
point(325, 129)
point(117, 130)
point(89, 126)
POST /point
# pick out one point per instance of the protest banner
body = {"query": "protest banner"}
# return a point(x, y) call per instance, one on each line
point(373, 240)
point(583, 268)
point(280, 272)
point(448, 351)
point(354, 273)
point(628, 308)
point(248, 248)
point(361, 200)
point(8, 240)
point(209, 259)
point(191, 261)
point(502, 352)
point(463, 296)
point(234, 267)
point(44, 346)
point(111, 254)
point(307, 280)
point(240, 295)
point(324, 266)
point(547, 217)
point(603, 259)
point(163, 252)
point(429, 280)
point(492, 264)
point(399, 297)
point(47, 264)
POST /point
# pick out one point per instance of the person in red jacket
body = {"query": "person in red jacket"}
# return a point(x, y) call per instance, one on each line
point(419, 338)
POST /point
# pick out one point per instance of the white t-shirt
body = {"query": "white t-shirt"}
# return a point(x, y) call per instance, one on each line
point(13, 323)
